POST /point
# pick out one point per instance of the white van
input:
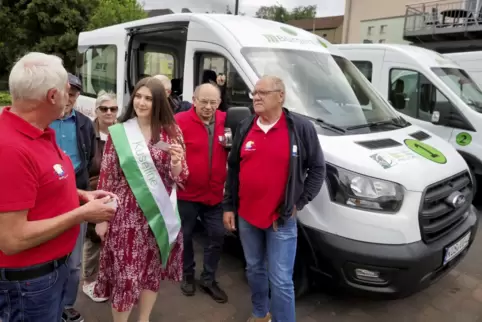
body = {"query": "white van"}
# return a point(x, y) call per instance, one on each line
point(395, 212)
point(471, 62)
point(429, 90)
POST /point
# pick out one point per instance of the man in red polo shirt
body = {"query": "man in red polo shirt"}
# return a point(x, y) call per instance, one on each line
point(206, 158)
point(276, 167)
point(39, 202)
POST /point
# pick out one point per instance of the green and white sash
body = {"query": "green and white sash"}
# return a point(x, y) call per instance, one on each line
point(143, 178)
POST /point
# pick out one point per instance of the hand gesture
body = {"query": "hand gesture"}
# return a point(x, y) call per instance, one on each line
point(87, 196)
point(229, 221)
point(177, 153)
point(98, 210)
point(101, 230)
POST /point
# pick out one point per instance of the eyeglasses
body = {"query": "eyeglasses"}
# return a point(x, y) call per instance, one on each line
point(205, 102)
point(262, 93)
point(104, 109)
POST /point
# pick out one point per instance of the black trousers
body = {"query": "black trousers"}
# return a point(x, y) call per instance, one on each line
point(212, 220)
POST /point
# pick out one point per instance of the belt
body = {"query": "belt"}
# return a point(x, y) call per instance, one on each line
point(28, 273)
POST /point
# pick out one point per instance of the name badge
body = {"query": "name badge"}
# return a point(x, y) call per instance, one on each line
point(295, 151)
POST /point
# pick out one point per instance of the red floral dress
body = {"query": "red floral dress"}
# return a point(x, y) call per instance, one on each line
point(130, 260)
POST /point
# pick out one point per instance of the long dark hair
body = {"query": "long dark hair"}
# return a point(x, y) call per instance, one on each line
point(162, 116)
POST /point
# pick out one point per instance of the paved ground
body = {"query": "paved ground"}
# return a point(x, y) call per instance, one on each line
point(455, 298)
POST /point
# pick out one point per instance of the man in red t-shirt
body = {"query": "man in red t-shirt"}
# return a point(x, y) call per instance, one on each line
point(276, 167)
point(39, 201)
point(203, 129)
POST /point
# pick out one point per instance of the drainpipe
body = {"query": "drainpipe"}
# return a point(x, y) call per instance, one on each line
point(345, 31)
point(236, 7)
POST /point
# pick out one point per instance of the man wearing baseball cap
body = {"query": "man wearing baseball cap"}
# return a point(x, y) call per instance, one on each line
point(75, 135)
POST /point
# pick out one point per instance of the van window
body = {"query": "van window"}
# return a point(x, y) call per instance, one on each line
point(413, 94)
point(365, 67)
point(346, 100)
point(97, 69)
point(461, 84)
point(217, 68)
point(158, 63)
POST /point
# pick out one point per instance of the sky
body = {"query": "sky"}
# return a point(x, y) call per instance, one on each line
point(249, 7)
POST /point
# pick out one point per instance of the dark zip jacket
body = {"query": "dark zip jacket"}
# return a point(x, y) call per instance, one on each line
point(86, 143)
point(306, 170)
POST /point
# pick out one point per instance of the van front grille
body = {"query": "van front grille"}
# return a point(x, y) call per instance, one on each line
point(439, 213)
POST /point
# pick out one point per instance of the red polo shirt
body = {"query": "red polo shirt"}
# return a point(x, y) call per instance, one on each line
point(263, 173)
point(38, 177)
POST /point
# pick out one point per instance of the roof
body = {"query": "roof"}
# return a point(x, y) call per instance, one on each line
point(250, 31)
point(422, 55)
point(158, 12)
point(332, 22)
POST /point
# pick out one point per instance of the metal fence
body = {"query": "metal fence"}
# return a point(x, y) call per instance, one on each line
point(442, 14)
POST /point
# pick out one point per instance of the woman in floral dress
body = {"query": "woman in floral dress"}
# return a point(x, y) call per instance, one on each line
point(130, 263)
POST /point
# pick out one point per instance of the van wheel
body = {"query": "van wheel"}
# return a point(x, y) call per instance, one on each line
point(301, 278)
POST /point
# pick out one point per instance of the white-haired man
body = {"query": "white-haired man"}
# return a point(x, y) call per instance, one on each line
point(39, 201)
point(266, 195)
point(176, 104)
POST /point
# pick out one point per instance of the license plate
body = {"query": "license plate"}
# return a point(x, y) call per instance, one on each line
point(452, 251)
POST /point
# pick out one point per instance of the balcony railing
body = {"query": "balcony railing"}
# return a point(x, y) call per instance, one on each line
point(442, 17)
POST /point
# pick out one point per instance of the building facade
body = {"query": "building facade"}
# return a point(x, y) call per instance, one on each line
point(358, 12)
point(330, 28)
point(382, 30)
point(391, 20)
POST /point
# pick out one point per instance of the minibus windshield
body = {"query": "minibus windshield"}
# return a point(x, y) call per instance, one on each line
point(460, 83)
point(322, 86)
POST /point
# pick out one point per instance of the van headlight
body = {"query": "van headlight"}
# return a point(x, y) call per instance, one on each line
point(359, 191)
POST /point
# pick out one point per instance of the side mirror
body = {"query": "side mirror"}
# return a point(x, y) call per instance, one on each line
point(234, 115)
point(442, 113)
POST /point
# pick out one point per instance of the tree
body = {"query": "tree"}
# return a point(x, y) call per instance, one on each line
point(112, 12)
point(276, 13)
point(303, 12)
point(228, 10)
point(49, 26)
point(281, 14)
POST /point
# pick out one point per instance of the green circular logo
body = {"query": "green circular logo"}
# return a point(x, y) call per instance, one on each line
point(463, 138)
point(426, 151)
point(288, 31)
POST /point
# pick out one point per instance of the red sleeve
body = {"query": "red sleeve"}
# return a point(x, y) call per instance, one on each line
point(182, 178)
point(18, 180)
point(110, 171)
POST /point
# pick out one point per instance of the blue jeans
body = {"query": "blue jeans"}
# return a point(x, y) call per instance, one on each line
point(75, 267)
point(36, 300)
point(278, 250)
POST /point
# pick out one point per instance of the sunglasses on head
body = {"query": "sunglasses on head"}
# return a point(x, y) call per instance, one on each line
point(104, 109)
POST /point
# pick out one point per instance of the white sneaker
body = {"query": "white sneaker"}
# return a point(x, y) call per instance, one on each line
point(89, 291)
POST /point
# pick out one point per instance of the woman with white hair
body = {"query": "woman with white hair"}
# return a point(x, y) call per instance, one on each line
point(106, 114)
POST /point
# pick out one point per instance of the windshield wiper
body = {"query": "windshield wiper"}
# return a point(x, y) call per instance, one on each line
point(323, 123)
point(376, 124)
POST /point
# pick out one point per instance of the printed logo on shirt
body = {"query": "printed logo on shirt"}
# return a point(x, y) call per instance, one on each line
point(249, 146)
point(59, 171)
